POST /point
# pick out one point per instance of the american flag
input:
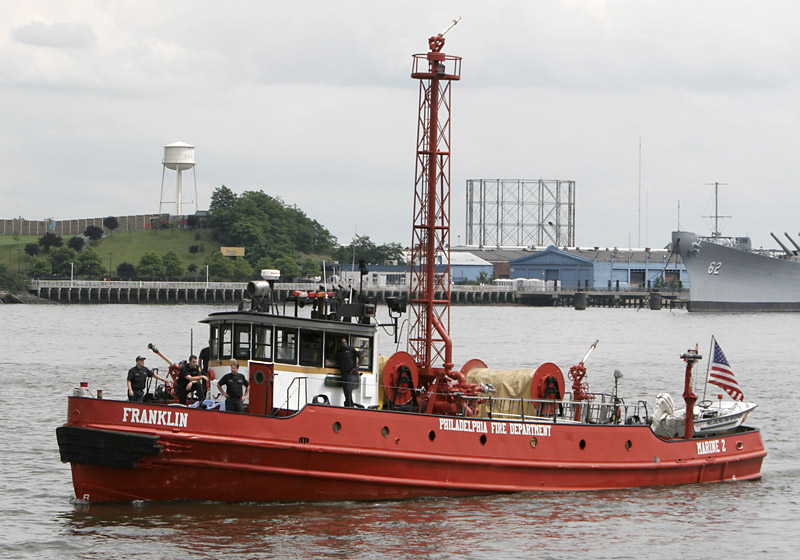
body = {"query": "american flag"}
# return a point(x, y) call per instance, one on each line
point(722, 374)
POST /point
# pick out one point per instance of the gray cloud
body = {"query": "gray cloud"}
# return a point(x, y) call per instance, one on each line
point(59, 35)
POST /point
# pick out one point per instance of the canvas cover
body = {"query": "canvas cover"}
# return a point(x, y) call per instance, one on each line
point(509, 383)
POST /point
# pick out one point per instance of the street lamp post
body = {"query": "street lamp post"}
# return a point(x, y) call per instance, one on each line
point(71, 274)
point(206, 277)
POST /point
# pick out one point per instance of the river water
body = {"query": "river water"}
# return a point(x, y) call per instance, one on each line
point(48, 349)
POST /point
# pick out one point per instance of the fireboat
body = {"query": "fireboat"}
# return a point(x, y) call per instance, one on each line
point(423, 427)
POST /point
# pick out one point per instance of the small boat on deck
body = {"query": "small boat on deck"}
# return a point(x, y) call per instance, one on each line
point(709, 419)
point(424, 428)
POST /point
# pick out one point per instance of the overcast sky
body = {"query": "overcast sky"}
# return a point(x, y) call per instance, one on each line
point(313, 102)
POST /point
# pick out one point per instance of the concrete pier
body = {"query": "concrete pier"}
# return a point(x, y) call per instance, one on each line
point(83, 291)
point(638, 299)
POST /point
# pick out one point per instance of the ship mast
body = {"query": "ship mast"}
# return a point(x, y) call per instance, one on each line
point(429, 339)
point(716, 216)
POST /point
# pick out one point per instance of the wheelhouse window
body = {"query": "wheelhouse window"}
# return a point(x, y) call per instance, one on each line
point(241, 337)
point(286, 345)
point(332, 345)
point(310, 348)
point(213, 345)
point(364, 344)
point(225, 336)
point(262, 343)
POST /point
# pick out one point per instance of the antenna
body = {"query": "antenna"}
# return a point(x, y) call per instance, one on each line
point(639, 239)
point(716, 216)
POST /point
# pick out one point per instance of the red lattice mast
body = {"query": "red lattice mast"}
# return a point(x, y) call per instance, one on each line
point(429, 339)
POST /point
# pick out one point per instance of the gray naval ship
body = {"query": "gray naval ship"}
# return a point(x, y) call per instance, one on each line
point(725, 274)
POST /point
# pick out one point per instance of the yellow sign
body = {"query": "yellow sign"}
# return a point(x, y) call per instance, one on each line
point(232, 251)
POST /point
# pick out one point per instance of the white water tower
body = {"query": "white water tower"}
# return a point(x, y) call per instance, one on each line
point(178, 157)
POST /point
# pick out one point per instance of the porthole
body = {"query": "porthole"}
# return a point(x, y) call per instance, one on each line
point(259, 377)
point(628, 445)
point(431, 435)
point(582, 444)
point(483, 439)
point(385, 431)
point(739, 445)
point(337, 427)
point(534, 442)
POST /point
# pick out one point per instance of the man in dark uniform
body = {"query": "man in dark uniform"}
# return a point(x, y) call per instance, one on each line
point(233, 383)
point(137, 378)
point(348, 358)
point(191, 379)
point(204, 354)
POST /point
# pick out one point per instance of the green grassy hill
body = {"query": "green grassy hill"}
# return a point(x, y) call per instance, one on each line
point(128, 247)
point(12, 251)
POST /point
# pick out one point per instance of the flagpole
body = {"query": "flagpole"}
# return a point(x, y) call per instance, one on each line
point(708, 364)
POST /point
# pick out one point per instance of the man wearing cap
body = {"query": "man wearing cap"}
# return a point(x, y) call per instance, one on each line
point(137, 377)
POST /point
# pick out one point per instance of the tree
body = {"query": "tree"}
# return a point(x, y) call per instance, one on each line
point(10, 281)
point(90, 264)
point(32, 249)
point(287, 266)
point(264, 263)
point(173, 266)
point(76, 243)
point(309, 268)
point(265, 225)
point(60, 260)
point(126, 270)
point(111, 223)
point(366, 250)
point(93, 232)
point(219, 266)
point(192, 268)
point(49, 240)
point(151, 267)
point(222, 199)
point(38, 267)
point(242, 270)
point(194, 249)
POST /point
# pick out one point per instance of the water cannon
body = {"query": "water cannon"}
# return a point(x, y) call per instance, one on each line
point(260, 289)
point(617, 377)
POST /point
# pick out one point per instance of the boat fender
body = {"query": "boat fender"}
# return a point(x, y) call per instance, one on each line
point(321, 399)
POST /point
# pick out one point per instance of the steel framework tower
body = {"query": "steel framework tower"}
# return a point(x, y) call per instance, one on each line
point(517, 212)
point(429, 338)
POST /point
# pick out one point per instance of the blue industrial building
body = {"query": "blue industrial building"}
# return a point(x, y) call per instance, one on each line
point(578, 267)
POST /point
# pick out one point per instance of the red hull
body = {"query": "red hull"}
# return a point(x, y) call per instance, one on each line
point(210, 455)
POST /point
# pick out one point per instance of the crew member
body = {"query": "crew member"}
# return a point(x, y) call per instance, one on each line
point(137, 378)
point(348, 358)
point(233, 383)
point(191, 379)
point(203, 357)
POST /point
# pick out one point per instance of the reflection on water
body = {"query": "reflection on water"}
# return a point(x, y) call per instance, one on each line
point(51, 348)
point(603, 524)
